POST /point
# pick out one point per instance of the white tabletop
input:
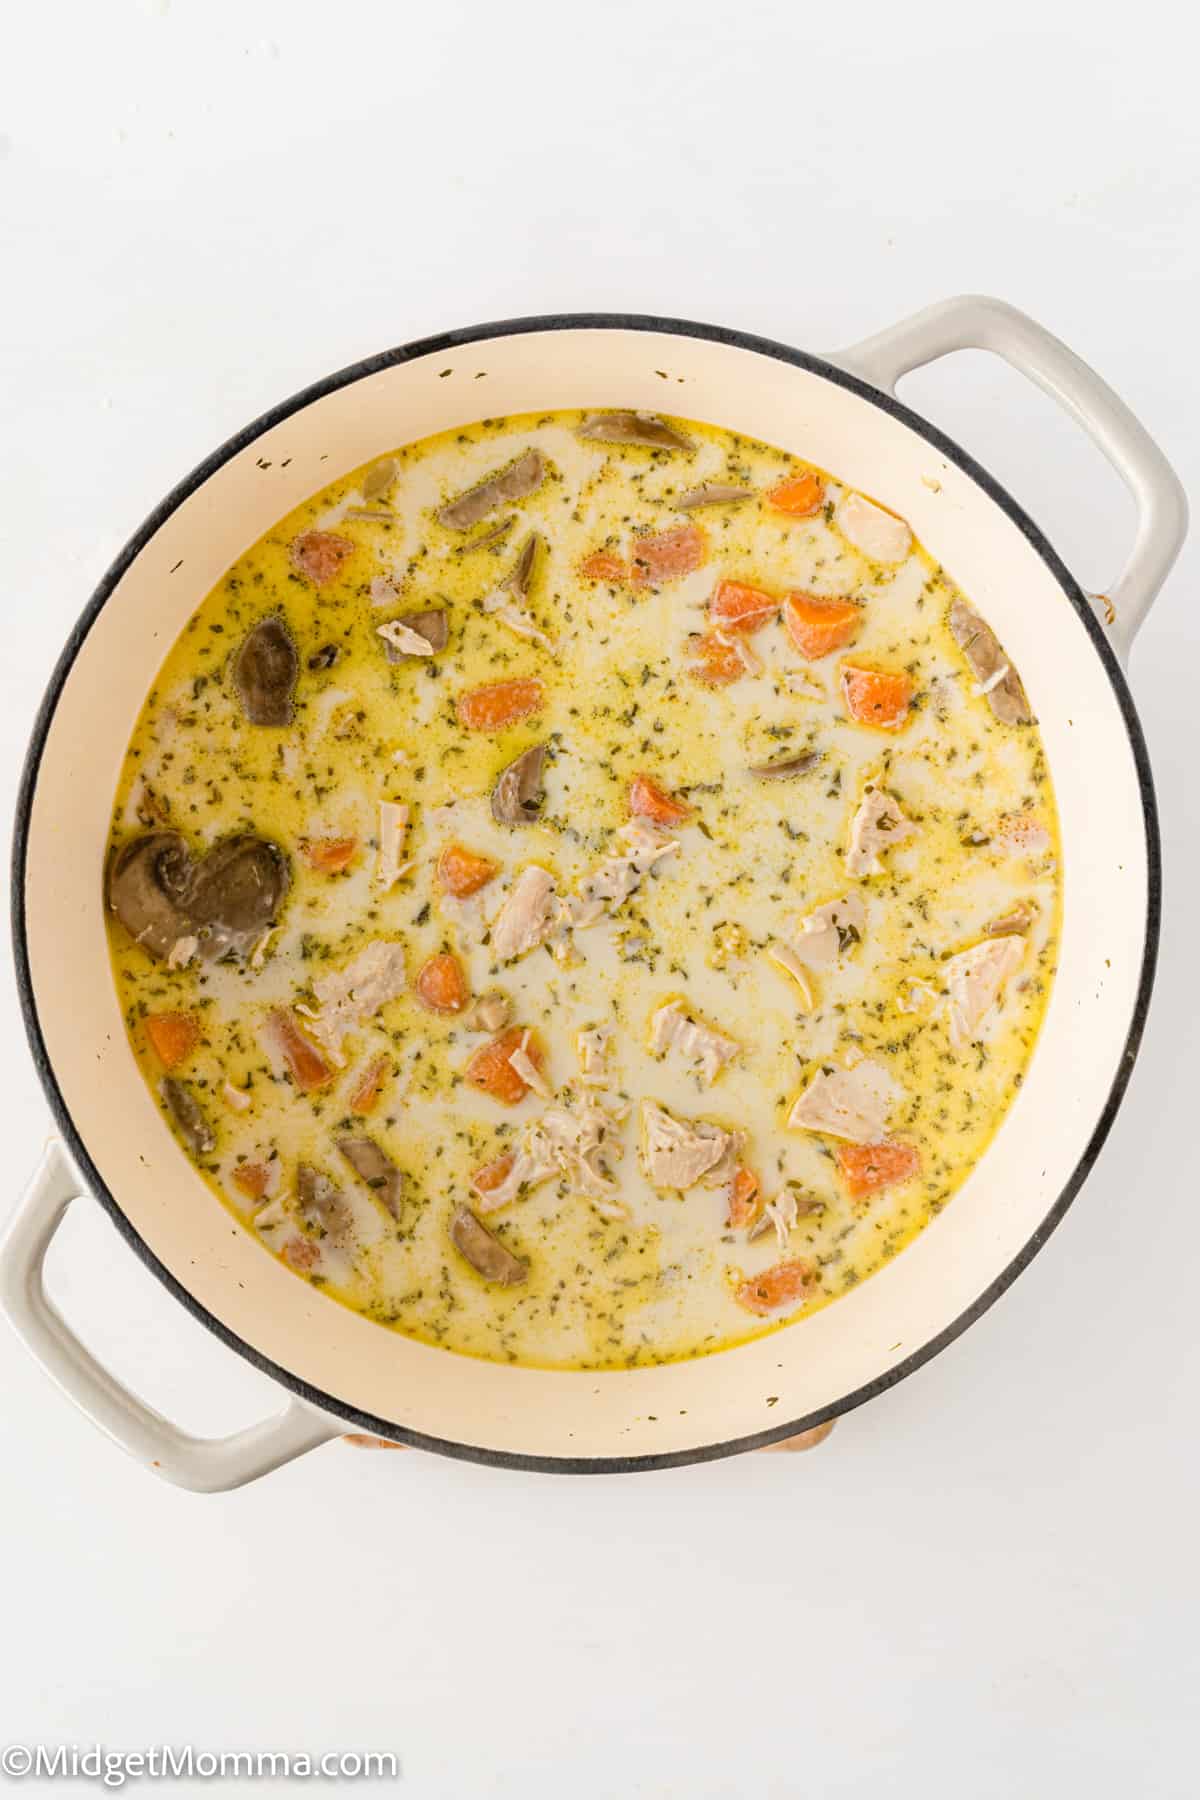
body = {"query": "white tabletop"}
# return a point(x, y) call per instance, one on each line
point(985, 1583)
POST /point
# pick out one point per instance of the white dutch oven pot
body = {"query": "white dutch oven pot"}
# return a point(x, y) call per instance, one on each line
point(338, 1368)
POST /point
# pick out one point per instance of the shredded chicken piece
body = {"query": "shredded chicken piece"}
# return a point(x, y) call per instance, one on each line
point(739, 644)
point(622, 872)
point(798, 681)
point(393, 824)
point(782, 1212)
point(384, 590)
point(879, 534)
point(878, 825)
point(677, 1153)
point(182, 952)
point(848, 1103)
point(975, 981)
point(523, 1064)
point(528, 915)
point(671, 1028)
point(235, 1097)
point(402, 637)
point(829, 931)
point(913, 996)
point(570, 1140)
point(349, 997)
point(592, 1048)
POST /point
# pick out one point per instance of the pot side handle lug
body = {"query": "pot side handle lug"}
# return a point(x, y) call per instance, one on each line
point(206, 1465)
point(976, 322)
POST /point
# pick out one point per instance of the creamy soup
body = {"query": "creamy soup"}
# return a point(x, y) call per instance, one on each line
point(584, 889)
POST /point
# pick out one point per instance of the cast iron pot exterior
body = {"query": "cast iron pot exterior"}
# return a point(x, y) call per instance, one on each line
point(338, 1368)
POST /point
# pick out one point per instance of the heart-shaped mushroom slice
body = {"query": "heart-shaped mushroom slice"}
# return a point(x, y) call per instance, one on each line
point(225, 901)
point(264, 672)
point(517, 796)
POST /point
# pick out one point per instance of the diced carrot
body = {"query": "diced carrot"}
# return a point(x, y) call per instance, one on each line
point(441, 984)
point(493, 1175)
point(462, 871)
point(329, 856)
point(602, 565)
point(776, 1286)
point(490, 1071)
point(307, 1066)
point(499, 703)
point(736, 606)
point(667, 555)
point(173, 1035)
point(865, 1168)
point(743, 1199)
point(319, 555)
point(364, 1096)
point(716, 663)
point(251, 1179)
point(875, 697)
point(798, 496)
point(818, 626)
point(300, 1252)
point(649, 801)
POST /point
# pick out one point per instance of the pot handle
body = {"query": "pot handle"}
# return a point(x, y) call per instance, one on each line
point(206, 1465)
point(976, 322)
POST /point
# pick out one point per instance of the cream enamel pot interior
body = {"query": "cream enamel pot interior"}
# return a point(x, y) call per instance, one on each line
point(340, 1369)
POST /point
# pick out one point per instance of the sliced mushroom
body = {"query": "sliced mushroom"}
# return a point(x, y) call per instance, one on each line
point(379, 478)
point(225, 901)
point(713, 493)
point(376, 1169)
point(634, 428)
point(485, 1253)
point(784, 766)
point(520, 577)
point(997, 678)
point(516, 482)
point(322, 1205)
point(517, 796)
point(1014, 923)
point(190, 1121)
point(486, 540)
point(432, 626)
point(264, 671)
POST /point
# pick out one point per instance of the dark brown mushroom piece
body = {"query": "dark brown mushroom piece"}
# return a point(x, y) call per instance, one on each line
point(712, 493)
point(322, 1205)
point(225, 901)
point(517, 796)
point(485, 1253)
point(488, 539)
point(785, 766)
point(516, 482)
point(433, 624)
point(375, 1168)
point(519, 579)
point(188, 1118)
point(991, 668)
point(634, 428)
point(265, 669)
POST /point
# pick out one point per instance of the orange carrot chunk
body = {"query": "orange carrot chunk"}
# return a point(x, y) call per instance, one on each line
point(251, 1179)
point(499, 703)
point(736, 606)
point(865, 1168)
point(306, 1065)
point(715, 663)
point(743, 1199)
point(494, 1174)
point(602, 565)
point(329, 856)
point(668, 555)
point(173, 1036)
point(818, 626)
point(364, 1096)
point(875, 697)
point(490, 1071)
point(441, 984)
point(649, 801)
point(798, 496)
point(777, 1286)
point(462, 871)
point(319, 555)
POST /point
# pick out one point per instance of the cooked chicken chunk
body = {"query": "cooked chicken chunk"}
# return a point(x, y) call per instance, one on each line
point(828, 931)
point(705, 1049)
point(621, 873)
point(975, 980)
point(528, 915)
point(677, 1153)
point(878, 825)
point(880, 535)
point(349, 997)
point(848, 1103)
